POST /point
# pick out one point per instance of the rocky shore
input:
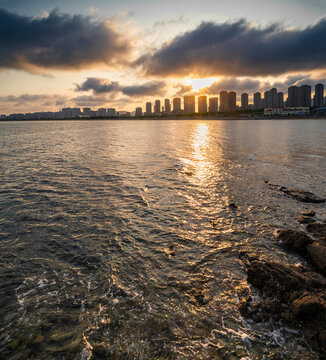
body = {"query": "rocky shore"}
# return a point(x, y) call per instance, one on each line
point(295, 294)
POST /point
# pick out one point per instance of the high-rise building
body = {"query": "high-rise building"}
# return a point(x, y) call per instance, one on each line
point(293, 96)
point(257, 101)
point(167, 106)
point(319, 95)
point(148, 108)
point(232, 100)
point(157, 107)
point(176, 105)
point(213, 105)
point(244, 101)
point(111, 112)
point(280, 99)
point(305, 95)
point(189, 104)
point(224, 101)
point(202, 104)
point(139, 111)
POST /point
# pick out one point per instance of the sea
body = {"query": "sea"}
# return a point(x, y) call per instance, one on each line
point(121, 239)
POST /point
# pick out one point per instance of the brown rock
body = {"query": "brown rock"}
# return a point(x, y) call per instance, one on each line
point(305, 220)
point(317, 254)
point(309, 305)
point(295, 294)
point(317, 229)
point(294, 240)
point(302, 195)
point(308, 213)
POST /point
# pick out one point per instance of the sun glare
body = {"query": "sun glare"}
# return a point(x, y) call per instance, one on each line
point(198, 84)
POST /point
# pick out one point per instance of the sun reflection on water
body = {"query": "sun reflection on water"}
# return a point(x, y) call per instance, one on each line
point(197, 163)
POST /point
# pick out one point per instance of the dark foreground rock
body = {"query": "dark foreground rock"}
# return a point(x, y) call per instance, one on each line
point(305, 219)
point(294, 240)
point(318, 230)
point(297, 194)
point(295, 294)
point(317, 255)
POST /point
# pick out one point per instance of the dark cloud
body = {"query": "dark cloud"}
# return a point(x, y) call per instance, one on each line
point(99, 86)
point(154, 87)
point(239, 49)
point(183, 89)
point(59, 41)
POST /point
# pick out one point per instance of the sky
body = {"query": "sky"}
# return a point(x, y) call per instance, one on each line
point(102, 53)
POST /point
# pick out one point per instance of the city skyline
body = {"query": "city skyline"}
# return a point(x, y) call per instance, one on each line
point(225, 101)
point(103, 54)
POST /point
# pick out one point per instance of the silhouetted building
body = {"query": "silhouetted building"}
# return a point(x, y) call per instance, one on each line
point(176, 105)
point(139, 111)
point(257, 101)
point(280, 99)
point(189, 104)
point(148, 108)
point(167, 106)
point(244, 101)
point(224, 101)
point(305, 96)
point(232, 100)
point(319, 95)
point(293, 96)
point(213, 105)
point(202, 104)
point(157, 107)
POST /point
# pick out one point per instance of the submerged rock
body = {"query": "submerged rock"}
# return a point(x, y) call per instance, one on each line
point(308, 213)
point(297, 194)
point(295, 294)
point(305, 220)
point(294, 240)
point(303, 196)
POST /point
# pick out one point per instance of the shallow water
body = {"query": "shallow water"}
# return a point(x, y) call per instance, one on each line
point(117, 240)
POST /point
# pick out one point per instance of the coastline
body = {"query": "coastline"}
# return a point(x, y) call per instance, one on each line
point(201, 118)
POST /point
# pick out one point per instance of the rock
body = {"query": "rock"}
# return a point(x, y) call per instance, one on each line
point(308, 213)
point(275, 279)
point(309, 305)
point(38, 339)
point(295, 294)
point(305, 220)
point(233, 206)
point(317, 254)
point(300, 195)
point(318, 230)
point(294, 240)
point(303, 196)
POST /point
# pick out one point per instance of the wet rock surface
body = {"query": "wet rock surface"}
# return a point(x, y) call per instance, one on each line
point(298, 194)
point(295, 294)
point(294, 240)
point(318, 230)
point(305, 219)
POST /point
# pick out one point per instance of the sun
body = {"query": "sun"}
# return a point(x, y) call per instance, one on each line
point(198, 84)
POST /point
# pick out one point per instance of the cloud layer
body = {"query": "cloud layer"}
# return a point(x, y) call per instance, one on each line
point(239, 49)
point(59, 41)
point(101, 86)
